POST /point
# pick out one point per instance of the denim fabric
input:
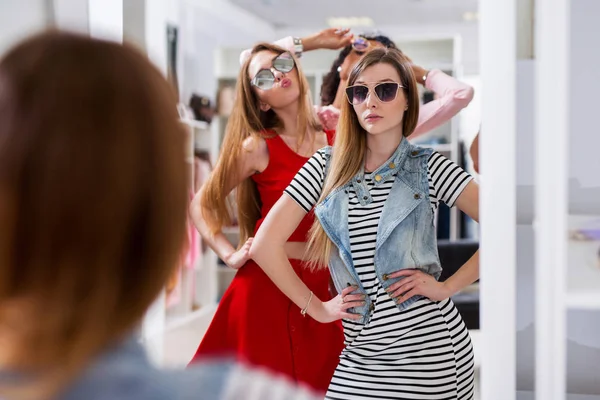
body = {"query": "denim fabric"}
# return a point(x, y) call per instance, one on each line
point(406, 237)
point(124, 373)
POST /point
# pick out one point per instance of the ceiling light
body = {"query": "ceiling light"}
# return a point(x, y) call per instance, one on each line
point(349, 22)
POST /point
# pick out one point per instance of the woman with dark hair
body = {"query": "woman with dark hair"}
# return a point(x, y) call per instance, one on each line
point(334, 81)
point(93, 208)
point(452, 95)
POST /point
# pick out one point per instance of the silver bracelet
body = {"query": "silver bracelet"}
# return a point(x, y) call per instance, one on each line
point(303, 312)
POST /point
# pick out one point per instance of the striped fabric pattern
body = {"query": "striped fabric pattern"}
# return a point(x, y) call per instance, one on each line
point(423, 352)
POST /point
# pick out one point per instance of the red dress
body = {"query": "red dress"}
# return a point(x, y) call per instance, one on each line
point(255, 322)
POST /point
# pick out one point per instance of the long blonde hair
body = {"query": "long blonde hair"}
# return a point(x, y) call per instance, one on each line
point(246, 120)
point(350, 146)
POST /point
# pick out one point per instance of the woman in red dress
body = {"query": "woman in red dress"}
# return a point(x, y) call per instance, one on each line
point(271, 133)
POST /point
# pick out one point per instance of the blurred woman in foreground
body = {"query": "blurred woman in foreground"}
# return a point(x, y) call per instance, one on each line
point(93, 201)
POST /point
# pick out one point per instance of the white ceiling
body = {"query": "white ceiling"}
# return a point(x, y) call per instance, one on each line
point(314, 13)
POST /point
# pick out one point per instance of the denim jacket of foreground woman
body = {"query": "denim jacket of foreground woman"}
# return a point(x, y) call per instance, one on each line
point(406, 236)
point(125, 373)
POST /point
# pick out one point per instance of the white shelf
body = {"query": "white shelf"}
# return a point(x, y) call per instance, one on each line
point(584, 300)
point(583, 268)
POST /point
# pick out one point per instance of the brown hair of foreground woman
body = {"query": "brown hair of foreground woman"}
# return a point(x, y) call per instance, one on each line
point(93, 202)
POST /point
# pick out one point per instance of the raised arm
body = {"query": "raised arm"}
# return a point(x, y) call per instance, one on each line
point(453, 96)
point(332, 38)
point(253, 158)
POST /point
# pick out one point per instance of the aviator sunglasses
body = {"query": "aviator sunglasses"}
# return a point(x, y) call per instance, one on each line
point(385, 92)
point(264, 79)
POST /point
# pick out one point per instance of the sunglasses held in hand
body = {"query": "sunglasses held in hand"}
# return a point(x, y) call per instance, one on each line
point(265, 79)
point(360, 44)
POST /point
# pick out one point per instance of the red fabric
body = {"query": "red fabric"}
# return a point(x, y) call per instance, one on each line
point(284, 164)
point(255, 322)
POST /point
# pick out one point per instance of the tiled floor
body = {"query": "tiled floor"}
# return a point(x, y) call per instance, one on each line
point(180, 344)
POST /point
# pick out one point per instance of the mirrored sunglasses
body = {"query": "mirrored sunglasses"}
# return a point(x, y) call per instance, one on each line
point(265, 80)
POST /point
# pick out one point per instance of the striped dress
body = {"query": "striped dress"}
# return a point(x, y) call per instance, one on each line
point(423, 352)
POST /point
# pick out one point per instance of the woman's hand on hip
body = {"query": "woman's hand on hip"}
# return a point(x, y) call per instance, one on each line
point(337, 308)
point(416, 282)
point(238, 258)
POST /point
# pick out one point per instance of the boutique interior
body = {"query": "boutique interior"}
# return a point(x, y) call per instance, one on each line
point(534, 314)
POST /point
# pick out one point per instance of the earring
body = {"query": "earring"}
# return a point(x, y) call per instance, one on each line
point(339, 69)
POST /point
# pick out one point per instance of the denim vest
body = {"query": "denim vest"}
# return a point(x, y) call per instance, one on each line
point(406, 236)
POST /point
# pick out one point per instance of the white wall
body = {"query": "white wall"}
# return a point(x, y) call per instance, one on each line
point(18, 19)
point(585, 89)
point(467, 32)
point(208, 26)
point(205, 28)
point(106, 19)
point(134, 22)
point(71, 15)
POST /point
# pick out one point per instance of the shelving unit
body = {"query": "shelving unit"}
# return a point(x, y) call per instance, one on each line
point(197, 286)
point(565, 286)
point(583, 269)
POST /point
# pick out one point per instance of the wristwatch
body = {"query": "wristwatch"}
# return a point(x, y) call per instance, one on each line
point(298, 48)
point(425, 77)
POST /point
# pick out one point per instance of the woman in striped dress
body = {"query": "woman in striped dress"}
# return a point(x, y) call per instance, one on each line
point(374, 195)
